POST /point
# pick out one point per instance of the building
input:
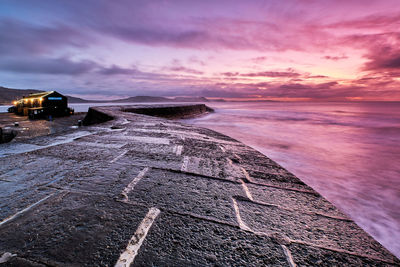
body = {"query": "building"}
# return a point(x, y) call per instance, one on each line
point(43, 105)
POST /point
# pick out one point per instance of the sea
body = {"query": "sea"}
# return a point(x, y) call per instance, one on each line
point(349, 152)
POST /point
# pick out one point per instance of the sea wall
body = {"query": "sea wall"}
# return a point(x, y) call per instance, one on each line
point(96, 115)
point(171, 111)
point(155, 192)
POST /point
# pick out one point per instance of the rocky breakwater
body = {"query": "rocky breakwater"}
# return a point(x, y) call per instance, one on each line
point(139, 190)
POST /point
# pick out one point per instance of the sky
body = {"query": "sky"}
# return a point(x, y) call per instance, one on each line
point(313, 50)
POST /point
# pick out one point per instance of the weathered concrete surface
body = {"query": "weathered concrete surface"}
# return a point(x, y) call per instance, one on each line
point(153, 192)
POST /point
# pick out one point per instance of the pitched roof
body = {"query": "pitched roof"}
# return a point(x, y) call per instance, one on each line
point(39, 94)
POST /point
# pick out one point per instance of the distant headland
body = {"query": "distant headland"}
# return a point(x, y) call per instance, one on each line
point(8, 95)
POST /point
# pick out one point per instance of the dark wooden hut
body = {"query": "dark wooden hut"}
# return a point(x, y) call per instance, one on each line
point(42, 105)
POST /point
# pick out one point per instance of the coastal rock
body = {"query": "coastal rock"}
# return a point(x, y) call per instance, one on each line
point(6, 135)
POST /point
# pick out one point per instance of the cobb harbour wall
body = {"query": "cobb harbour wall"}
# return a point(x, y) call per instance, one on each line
point(171, 111)
point(139, 190)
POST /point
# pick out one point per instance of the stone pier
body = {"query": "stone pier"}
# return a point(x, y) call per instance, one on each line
point(140, 190)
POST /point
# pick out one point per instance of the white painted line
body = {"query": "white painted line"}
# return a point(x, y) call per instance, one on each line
point(132, 184)
point(101, 145)
point(222, 148)
point(119, 156)
point(147, 139)
point(24, 210)
point(237, 156)
point(246, 190)
point(125, 122)
point(117, 129)
point(179, 150)
point(246, 174)
point(185, 164)
point(242, 225)
point(128, 256)
point(288, 256)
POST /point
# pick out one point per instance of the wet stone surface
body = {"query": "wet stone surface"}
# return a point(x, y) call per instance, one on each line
point(310, 202)
point(105, 178)
point(147, 191)
point(305, 255)
point(203, 149)
point(17, 199)
point(206, 244)
point(10, 165)
point(28, 129)
point(75, 151)
point(187, 194)
point(311, 228)
point(287, 180)
point(73, 229)
point(137, 147)
point(21, 187)
point(221, 168)
point(152, 159)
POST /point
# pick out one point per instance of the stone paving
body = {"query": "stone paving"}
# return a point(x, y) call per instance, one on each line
point(146, 191)
point(28, 129)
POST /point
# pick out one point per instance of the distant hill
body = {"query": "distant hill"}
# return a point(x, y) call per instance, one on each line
point(160, 99)
point(218, 100)
point(142, 99)
point(190, 99)
point(72, 99)
point(8, 95)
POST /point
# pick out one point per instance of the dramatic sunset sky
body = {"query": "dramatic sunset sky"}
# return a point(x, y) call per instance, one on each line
point(287, 49)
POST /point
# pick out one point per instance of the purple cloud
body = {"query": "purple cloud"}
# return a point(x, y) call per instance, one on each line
point(369, 22)
point(116, 70)
point(389, 60)
point(20, 38)
point(176, 66)
point(184, 69)
point(47, 66)
point(230, 74)
point(272, 74)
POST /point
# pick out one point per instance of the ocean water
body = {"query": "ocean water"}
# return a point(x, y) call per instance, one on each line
point(348, 152)
point(81, 107)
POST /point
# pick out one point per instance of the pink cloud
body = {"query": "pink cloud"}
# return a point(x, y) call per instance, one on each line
point(335, 58)
point(207, 36)
point(272, 74)
point(376, 21)
point(184, 69)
